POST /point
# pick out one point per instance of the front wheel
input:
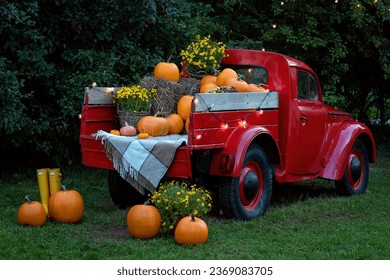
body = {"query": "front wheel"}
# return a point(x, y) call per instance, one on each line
point(121, 192)
point(355, 178)
point(248, 196)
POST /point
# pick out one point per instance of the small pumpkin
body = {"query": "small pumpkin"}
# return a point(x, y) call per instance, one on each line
point(128, 130)
point(143, 135)
point(208, 86)
point(153, 125)
point(143, 221)
point(176, 124)
point(255, 88)
point(208, 79)
point(168, 71)
point(184, 106)
point(31, 213)
point(224, 75)
point(239, 84)
point(115, 132)
point(191, 230)
point(66, 206)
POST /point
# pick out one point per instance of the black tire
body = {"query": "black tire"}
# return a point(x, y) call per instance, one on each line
point(121, 192)
point(355, 178)
point(248, 196)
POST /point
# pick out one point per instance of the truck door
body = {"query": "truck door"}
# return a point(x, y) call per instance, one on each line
point(310, 119)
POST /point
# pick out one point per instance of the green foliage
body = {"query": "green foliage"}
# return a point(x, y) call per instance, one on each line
point(46, 62)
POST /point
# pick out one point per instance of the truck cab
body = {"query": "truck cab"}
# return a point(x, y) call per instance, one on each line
point(241, 143)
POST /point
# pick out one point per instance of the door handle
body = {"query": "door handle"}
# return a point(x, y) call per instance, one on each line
point(303, 120)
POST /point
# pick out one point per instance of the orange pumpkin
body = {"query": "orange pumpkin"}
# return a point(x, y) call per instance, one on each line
point(176, 124)
point(184, 106)
point(66, 206)
point(208, 79)
point(167, 71)
point(153, 125)
point(191, 230)
point(143, 135)
point(31, 213)
point(115, 132)
point(207, 87)
point(255, 88)
point(239, 84)
point(226, 74)
point(143, 221)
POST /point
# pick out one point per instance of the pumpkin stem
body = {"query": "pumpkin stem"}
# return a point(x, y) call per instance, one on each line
point(126, 123)
point(63, 187)
point(147, 202)
point(192, 217)
point(27, 199)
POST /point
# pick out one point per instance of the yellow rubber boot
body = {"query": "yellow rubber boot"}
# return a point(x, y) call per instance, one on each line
point(43, 184)
point(55, 180)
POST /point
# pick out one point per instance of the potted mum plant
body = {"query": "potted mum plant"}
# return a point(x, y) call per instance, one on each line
point(203, 56)
point(133, 103)
point(177, 199)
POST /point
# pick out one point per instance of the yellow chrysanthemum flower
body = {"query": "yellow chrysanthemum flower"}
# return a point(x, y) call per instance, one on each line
point(203, 54)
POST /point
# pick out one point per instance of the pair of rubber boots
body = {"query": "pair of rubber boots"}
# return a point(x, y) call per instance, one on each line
point(49, 182)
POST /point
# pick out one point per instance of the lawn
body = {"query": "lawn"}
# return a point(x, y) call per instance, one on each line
point(305, 221)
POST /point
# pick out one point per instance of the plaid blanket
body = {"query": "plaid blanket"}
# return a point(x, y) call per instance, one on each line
point(141, 162)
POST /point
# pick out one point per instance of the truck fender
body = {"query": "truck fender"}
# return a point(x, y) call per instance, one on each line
point(228, 161)
point(336, 160)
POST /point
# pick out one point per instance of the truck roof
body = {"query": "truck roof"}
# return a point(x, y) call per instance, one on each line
point(277, 66)
point(261, 58)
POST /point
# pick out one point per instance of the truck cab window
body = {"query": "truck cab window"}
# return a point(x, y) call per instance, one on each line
point(252, 74)
point(307, 86)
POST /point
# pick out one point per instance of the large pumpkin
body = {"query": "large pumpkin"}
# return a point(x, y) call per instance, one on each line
point(31, 213)
point(226, 74)
point(143, 221)
point(184, 106)
point(66, 206)
point(153, 125)
point(167, 71)
point(176, 124)
point(191, 230)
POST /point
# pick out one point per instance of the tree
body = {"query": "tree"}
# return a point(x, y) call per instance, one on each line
point(346, 42)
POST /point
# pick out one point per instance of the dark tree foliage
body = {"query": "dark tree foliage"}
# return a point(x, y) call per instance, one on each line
point(51, 50)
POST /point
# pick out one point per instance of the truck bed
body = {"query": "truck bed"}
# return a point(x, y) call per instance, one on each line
point(213, 119)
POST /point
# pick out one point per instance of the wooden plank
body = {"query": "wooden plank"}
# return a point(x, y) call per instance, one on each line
point(236, 101)
point(99, 95)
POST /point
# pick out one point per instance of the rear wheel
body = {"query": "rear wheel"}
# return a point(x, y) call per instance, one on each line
point(121, 192)
point(248, 196)
point(355, 178)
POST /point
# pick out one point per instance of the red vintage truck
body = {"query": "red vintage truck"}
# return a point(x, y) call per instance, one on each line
point(239, 144)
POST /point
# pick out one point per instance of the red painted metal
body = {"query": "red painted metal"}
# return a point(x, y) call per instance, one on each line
point(305, 139)
point(251, 195)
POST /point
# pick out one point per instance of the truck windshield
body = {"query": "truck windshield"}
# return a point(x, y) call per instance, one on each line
point(252, 74)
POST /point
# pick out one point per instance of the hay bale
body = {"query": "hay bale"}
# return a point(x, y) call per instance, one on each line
point(191, 85)
point(169, 93)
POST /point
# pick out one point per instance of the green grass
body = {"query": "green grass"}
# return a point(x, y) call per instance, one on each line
point(305, 221)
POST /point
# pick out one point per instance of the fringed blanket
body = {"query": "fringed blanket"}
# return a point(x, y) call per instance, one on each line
point(141, 162)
